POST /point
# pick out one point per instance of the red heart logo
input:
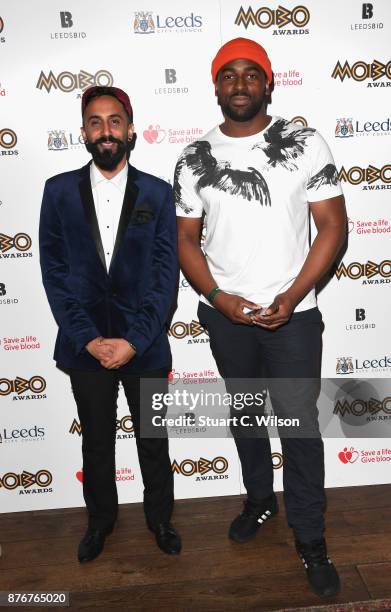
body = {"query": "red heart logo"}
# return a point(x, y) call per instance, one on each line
point(173, 377)
point(342, 457)
point(154, 134)
point(79, 476)
point(348, 455)
point(147, 136)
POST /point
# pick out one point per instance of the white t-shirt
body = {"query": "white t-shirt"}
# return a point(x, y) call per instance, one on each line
point(255, 192)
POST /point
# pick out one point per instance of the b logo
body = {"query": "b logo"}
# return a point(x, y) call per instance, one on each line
point(66, 19)
point(8, 138)
point(360, 314)
point(170, 75)
point(367, 11)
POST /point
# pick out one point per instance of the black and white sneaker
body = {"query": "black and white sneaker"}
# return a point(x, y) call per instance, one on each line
point(246, 524)
point(321, 573)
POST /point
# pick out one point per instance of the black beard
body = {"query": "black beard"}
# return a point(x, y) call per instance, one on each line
point(107, 160)
point(241, 114)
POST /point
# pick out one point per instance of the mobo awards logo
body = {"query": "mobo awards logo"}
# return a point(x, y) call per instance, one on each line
point(42, 479)
point(19, 385)
point(202, 466)
point(371, 175)
point(181, 330)
point(68, 81)
point(265, 17)
point(357, 270)
point(362, 71)
point(21, 242)
point(124, 427)
point(8, 140)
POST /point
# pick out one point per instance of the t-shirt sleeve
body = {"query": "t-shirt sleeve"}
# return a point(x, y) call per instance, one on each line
point(187, 199)
point(323, 180)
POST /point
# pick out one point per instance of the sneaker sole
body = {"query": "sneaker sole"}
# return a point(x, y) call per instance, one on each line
point(332, 592)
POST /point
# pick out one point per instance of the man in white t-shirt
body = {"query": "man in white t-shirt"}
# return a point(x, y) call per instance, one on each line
point(255, 179)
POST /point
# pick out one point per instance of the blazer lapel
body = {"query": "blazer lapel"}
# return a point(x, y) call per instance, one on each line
point(130, 197)
point(89, 208)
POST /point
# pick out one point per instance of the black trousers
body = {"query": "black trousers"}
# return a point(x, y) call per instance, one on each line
point(293, 353)
point(96, 398)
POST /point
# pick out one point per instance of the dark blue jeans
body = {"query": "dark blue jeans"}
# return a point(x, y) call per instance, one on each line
point(288, 358)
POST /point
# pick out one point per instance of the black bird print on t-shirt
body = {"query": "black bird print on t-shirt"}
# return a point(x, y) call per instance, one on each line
point(282, 144)
point(249, 184)
point(326, 176)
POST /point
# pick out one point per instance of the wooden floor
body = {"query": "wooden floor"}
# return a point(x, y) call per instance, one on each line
point(212, 573)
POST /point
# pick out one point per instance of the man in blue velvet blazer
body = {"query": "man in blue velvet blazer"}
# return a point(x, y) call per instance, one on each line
point(109, 267)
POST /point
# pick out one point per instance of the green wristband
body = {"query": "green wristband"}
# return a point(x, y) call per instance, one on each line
point(212, 294)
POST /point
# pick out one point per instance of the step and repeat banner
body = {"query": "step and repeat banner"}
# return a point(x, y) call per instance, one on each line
point(333, 72)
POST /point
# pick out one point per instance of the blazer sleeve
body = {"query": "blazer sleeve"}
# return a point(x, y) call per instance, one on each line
point(159, 297)
point(66, 308)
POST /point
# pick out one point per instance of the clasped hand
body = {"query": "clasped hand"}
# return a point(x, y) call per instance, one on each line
point(112, 353)
point(278, 313)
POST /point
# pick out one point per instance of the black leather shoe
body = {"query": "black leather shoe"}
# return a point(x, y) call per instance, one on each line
point(245, 526)
point(92, 544)
point(321, 573)
point(167, 538)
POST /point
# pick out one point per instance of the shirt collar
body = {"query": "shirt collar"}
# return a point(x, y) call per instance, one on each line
point(119, 180)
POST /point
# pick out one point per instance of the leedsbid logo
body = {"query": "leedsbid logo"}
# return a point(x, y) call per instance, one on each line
point(68, 81)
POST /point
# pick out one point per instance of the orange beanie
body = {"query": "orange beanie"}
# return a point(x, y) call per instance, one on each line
point(242, 48)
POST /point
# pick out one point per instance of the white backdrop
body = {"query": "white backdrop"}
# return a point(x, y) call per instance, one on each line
point(331, 70)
